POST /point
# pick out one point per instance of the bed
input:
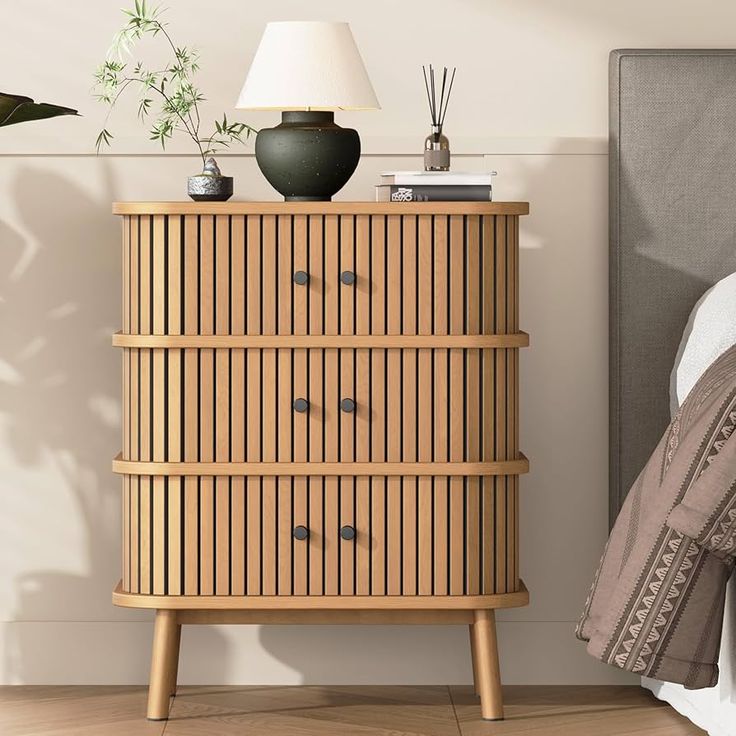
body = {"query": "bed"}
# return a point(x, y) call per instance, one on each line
point(673, 235)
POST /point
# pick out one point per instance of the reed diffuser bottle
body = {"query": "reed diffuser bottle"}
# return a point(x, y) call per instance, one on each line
point(436, 144)
point(436, 150)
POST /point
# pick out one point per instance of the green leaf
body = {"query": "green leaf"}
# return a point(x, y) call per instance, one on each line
point(103, 139)
point(144, 107)
point(21, 109)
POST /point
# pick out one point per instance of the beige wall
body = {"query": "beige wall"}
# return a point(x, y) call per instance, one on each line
point(530, 102)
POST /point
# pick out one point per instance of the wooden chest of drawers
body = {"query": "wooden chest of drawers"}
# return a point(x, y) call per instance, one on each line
point(320, 407)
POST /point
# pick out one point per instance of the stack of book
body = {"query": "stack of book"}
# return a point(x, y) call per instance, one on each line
point(434, 186)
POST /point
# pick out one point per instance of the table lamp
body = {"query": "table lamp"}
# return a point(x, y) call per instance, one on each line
point(307, 70)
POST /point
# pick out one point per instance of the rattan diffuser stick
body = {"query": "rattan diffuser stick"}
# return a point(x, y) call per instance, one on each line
point(436, 145)
point(438, 109)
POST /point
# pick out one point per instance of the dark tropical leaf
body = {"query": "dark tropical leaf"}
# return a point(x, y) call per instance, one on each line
point(20, 109)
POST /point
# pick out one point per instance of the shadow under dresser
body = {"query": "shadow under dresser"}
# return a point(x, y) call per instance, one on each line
point(320, 418)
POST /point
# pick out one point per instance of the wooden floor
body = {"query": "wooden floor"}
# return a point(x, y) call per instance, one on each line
point(337, 711)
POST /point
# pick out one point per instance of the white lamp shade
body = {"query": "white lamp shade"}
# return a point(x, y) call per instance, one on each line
point(307, 65)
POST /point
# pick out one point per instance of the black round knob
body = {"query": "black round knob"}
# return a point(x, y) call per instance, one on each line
point(301, 277)
point(347, 277)
point(347, 405)
point(301, 405)
point(301, 532)
point(347, 532)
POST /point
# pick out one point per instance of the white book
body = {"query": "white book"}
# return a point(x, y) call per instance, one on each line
point(431, 178)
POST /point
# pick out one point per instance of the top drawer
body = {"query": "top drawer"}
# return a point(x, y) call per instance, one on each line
point(320, 274)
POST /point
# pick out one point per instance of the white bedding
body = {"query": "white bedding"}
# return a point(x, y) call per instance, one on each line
point(710, 331)
point(714, 708)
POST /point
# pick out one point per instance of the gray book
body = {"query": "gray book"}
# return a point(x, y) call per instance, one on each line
point(433, 193)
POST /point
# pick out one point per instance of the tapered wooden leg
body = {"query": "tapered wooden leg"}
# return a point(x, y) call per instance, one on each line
point(163, 664)
point(173, 670)
point(488, 672)
point(473, 659)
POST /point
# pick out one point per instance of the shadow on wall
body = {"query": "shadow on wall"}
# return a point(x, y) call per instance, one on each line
point(60, 406)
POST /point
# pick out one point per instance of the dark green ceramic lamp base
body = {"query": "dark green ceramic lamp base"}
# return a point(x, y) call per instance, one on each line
point(308, 157)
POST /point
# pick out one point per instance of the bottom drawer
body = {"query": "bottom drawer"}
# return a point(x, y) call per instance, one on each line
point(230, 535)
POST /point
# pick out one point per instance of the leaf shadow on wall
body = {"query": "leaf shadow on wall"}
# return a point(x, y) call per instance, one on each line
point(59, 406)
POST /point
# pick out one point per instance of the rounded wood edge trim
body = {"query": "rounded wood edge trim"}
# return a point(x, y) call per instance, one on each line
point(368, 616)
point(515, 340)
point(320, 208)
point(516, 599)
point(136, 467)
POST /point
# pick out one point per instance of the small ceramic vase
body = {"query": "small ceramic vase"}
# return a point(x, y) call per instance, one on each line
point(210, 185)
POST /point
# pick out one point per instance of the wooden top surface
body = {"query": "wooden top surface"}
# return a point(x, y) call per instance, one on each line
point(320, 208)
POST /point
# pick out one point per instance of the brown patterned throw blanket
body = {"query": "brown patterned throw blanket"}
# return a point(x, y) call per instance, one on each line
point(656, 605)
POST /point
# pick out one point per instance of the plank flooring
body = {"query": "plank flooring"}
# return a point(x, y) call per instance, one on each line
point(338, 710)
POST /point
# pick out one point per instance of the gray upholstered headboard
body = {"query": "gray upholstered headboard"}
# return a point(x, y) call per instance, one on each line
point(673, 227)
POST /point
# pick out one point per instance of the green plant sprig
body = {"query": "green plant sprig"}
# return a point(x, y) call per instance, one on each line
point(173, 85)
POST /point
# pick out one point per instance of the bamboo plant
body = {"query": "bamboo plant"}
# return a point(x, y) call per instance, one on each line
point(171, 86)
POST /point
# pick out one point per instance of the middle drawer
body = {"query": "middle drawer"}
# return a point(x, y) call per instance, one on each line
point(320, 405)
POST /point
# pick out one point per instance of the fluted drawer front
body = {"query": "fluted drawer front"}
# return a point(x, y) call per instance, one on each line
point(320, 274)
point(320, 405)
point(236, 536)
